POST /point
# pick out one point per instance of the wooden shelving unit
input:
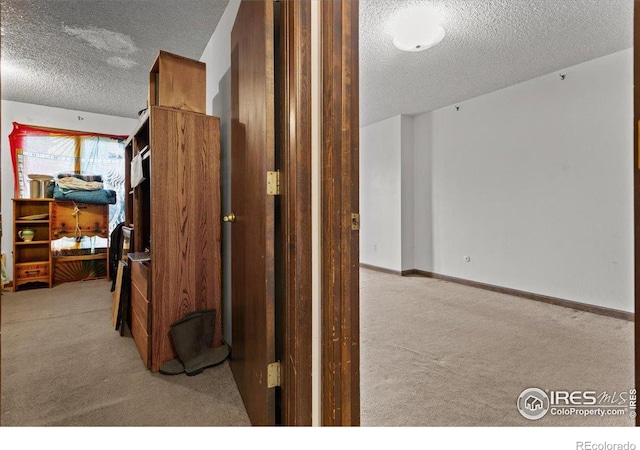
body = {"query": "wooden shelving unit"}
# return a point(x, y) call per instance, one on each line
point(178, 82)
point(40, 263)
point(175, 211)
point(32, 260)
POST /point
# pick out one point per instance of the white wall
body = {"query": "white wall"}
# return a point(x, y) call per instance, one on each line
point(217, 56)
point(48, 117)
point(217, 53)
point(407, 195)
point(534, 182)
point(381, 194)
point(422, 195)
point(387, 193)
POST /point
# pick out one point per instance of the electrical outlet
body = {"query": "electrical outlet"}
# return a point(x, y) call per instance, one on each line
point(375, 247)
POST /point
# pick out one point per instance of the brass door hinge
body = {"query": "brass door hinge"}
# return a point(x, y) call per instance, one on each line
point(273, 182)
point(355, 221)
point(273, 374)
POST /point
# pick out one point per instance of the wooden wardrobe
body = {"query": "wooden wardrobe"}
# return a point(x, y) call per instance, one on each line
point(175, 211)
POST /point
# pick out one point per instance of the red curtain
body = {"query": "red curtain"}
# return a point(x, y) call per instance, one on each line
point(20, 133)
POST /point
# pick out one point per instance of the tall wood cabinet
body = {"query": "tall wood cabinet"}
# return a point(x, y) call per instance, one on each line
point(175, 213)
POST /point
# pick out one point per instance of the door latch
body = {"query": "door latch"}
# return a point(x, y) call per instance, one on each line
point(355, 221)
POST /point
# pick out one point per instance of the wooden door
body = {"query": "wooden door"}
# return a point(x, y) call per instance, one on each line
point(252, 231)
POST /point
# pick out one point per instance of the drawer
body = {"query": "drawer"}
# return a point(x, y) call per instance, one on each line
point(140, 307)
point(140, 277)
point(35, 270)
point(141, 338)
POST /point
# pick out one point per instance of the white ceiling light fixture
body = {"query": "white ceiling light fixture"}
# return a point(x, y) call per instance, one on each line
point(417, 28)
point(8, 68)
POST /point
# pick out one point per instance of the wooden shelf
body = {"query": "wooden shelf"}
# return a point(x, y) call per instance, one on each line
point(183, 139)
point(33, 222)
point(57, 234)
point(32, 260)
point(81, 257)
point(30, 263)
point(178, 82)
point(24, 281)
point(168, 282)
point(33, 199)
point(33, 243)
point(142, 121)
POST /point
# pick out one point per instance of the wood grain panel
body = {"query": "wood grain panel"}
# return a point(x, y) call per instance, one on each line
point(140, 276)
point(293, 143)
point(141, 338)
point(340, 244)
point(140, 307)
point(178, 82)
point(185, 222)
point(29, 272)
point(252, 233)
point(206, 225)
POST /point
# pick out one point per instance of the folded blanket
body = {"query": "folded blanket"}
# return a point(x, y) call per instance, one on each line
point(80, 176)
point(99, 197)
point(77, 184)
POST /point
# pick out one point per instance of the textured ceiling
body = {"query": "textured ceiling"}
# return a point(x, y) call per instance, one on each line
point(96, 55)
point(489, 45)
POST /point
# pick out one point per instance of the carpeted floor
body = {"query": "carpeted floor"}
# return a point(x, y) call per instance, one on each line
point(63, 364)
point(433, 353)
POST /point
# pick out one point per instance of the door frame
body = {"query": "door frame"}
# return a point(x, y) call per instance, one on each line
point(293, 210)
point(340, 252)
point(339, 198)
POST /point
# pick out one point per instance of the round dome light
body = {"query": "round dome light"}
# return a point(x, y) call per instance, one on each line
point(418, 28)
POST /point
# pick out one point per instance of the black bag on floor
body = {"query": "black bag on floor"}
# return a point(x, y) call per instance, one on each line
point(114, 253)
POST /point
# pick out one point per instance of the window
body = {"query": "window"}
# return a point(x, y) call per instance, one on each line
point(48, 151)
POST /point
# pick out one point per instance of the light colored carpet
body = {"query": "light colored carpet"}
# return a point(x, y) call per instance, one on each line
point(435, 353)
point(63, 364)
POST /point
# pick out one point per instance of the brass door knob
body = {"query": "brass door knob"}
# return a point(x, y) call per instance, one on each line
point(231, 217)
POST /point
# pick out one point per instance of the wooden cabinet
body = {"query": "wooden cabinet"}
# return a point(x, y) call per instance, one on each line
point(70, 242)
point(31, 255)
point(178, 82)
point(176, 217)
point(80, 241)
